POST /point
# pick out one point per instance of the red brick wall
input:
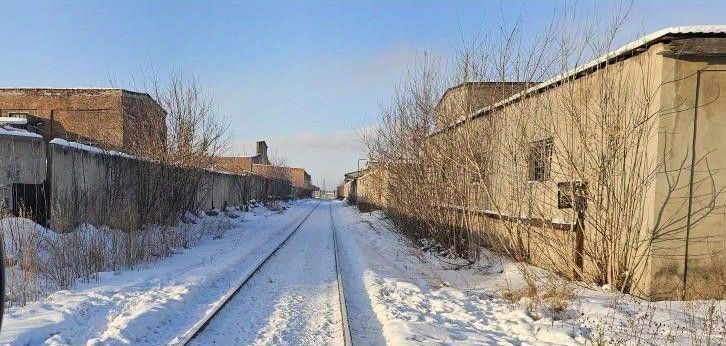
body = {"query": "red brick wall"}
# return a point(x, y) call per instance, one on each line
point(235, 164)
point(144, 123)
point(104, 117)
point(298, 177)
point(86, 114)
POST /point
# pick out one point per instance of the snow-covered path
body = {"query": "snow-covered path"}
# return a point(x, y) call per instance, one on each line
point(396, 294)
point(292, 300)
point(152, 305)
point(396, 297)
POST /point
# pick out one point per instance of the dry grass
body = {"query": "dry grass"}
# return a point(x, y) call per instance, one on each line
point(705, 322)
point(275, 206)
point(541, 296)
point(40, 261)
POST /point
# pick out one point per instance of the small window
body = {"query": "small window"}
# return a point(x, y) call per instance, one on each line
point(540, 159)
point(567, 190)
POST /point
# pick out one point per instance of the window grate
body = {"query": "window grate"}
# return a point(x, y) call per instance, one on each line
point(540, 159)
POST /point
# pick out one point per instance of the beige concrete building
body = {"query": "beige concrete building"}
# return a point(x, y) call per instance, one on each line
point(613, 171)
point(643, 123)
point(459, 100)
point(366, 188)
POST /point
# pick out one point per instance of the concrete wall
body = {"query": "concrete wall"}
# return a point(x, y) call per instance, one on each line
point(89, 185)
point(371, 189)
point(690, 250)
point(22, 160)
point(109, 188)
point(515, 194)
point(677, 229)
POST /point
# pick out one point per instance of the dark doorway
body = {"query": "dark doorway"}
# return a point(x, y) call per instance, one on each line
point(29, 202)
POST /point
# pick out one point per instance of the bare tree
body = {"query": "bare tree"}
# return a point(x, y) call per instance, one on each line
point(195, 134)
point(470, 172)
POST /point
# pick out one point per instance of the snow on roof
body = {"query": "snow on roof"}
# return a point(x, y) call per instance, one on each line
point(59, 88)
point(89, 148)
point(644, 41)
point(13, 121)
point(76, 89)
point(10, 131)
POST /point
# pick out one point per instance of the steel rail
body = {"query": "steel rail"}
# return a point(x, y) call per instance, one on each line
point(198, 327)
point(347, 340)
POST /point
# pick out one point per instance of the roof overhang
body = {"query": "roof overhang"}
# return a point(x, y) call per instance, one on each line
point(621, 53)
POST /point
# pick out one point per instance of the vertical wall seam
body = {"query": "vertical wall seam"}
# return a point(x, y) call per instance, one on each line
point(690, 182)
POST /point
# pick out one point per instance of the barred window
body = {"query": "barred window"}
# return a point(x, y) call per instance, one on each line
point(480, 169)
point(540, 159)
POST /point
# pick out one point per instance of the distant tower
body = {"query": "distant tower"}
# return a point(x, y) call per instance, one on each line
point(262, 153)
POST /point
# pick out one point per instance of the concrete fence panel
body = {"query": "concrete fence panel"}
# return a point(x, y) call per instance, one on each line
point(22, 165)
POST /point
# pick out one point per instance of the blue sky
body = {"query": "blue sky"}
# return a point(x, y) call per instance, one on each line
point(304, 76)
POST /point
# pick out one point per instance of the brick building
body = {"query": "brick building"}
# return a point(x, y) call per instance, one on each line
point(239, 164)
point(298, 176)
point(260, 164)
point(112, 118)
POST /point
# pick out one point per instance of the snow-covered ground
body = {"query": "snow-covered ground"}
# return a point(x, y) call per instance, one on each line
point(292, 300)
point(409, 302)
point(152, 305)
point(397, 293)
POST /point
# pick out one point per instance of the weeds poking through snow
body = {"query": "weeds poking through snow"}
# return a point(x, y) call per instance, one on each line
point(40, 261)
point(275, 206)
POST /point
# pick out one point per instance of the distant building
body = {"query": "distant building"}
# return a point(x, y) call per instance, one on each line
point(260, 164)
point(461, 99)
point(240, 164)
point(114, 118)
point(297, 176)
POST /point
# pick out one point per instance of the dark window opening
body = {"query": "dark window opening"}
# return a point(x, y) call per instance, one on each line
point(540, 159)
point(567, 191)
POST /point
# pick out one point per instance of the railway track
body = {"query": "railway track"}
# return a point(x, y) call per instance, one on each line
point(347, 339)
point(199, 327)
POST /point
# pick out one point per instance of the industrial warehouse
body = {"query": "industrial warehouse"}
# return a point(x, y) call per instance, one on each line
point(363, 173)
point(80, 155)
point(612, 173)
